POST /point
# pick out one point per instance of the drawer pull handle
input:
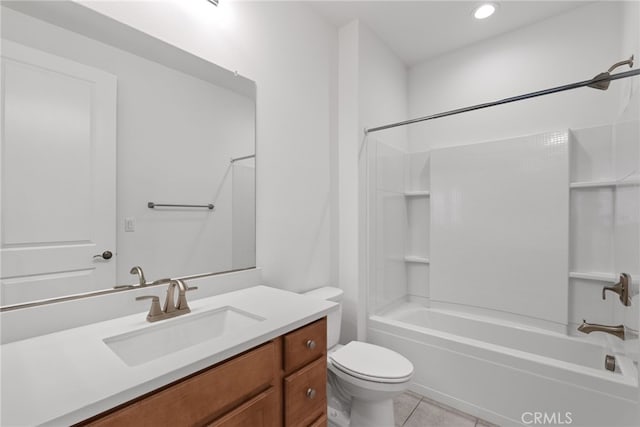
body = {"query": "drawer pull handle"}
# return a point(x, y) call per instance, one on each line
point(311, 344)
point(311, 393)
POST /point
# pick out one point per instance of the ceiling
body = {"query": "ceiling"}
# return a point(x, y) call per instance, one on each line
point(419, 30)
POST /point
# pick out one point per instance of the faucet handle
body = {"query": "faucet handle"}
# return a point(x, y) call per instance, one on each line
point(155, 312)
point(182, 298)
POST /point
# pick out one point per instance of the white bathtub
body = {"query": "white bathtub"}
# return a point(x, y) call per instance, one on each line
point(509, 373)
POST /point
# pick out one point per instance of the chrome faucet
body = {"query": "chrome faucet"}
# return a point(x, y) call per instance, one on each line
point(170, 308)
point(137, 270)
point(142, 282)
point(621, 288)
point(587, 328)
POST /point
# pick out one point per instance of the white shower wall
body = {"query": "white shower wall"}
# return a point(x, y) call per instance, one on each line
point(602, 238)
point(388, 218)
point(499, 219)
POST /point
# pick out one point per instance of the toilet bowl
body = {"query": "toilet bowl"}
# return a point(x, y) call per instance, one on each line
point(363, 378)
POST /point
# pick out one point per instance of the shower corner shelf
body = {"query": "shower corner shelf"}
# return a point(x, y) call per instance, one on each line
point(418, 193)
point(600, 277)
point(416, 259)
point(605, 183)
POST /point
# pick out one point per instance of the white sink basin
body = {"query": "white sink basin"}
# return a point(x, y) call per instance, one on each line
point(171, 335)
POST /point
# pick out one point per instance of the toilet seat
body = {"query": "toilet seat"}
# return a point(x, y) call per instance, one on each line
point(372, 363)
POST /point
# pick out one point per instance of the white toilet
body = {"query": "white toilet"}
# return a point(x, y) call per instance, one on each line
point(363, 378)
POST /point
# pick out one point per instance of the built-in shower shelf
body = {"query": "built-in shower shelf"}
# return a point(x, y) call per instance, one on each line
point(602, 277)
point(599, 277)
point(416, 193)
point(416, 259)
point(597, 184)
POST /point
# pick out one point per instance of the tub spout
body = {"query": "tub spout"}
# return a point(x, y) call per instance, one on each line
point(587, 328)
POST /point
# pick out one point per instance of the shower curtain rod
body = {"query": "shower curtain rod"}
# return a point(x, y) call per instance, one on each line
point(250, 156)
point(598, 79)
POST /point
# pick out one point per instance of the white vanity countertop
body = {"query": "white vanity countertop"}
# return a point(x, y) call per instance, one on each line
point(68, 376)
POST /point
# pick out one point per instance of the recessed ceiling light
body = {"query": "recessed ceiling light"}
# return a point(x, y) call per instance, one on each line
point(484, 10)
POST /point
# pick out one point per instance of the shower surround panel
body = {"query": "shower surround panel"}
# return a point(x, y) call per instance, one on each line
point(499, 227)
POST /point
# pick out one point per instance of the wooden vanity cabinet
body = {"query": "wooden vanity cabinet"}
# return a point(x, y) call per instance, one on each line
point(279, 383)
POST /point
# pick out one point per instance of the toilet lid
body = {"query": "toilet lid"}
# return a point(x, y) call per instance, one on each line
point(372, 363)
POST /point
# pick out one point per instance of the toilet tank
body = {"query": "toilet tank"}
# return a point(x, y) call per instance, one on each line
point(334, 318)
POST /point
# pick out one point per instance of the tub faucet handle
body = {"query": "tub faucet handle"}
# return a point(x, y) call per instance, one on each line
point(621, 288)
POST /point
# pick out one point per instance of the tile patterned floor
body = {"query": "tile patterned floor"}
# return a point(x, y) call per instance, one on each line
point(413, 410)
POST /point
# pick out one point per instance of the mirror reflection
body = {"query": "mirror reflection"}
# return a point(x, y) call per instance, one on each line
point(103, 125)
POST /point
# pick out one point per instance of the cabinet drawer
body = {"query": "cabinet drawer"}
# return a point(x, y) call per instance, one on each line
point(305, 394)
point(305, 344)
point(261, 411)
point(202, 397)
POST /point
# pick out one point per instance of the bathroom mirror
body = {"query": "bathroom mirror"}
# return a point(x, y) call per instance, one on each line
point(102, 126)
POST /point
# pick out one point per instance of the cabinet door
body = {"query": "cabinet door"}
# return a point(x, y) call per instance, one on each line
point(261, 411)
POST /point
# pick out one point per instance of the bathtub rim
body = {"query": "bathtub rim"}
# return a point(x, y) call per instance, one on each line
point(622, 385)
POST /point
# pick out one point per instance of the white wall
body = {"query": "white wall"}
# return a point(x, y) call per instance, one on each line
point(349, 194)
point(291, 54)
point(566, 48)
point(382, 88)
point(373, 89)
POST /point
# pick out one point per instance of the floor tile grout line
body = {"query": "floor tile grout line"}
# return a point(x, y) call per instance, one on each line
point(414, 410)
point(477, 422)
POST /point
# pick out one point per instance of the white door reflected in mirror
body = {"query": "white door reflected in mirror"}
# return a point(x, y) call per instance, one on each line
point(58, 200)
